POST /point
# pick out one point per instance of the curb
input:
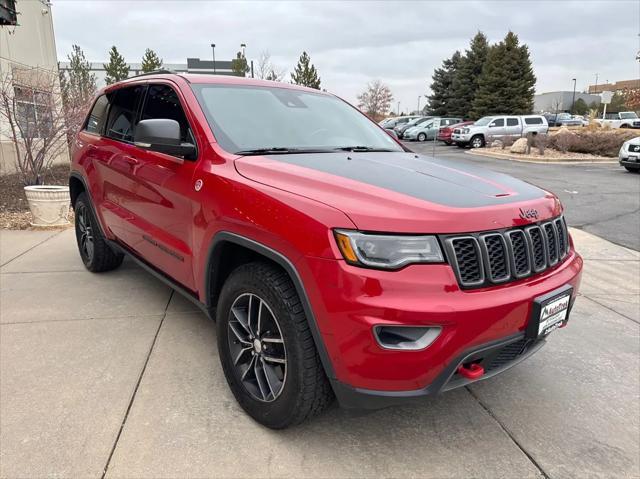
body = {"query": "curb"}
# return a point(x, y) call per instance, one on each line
point(563, 161)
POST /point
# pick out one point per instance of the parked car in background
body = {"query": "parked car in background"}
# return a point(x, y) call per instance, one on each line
point(398, 120)
point(428, 130)
point(400, 129)
point(499, 126)
point(624, 119)
point(629, 155)
point(562, 119)
point(445, 132)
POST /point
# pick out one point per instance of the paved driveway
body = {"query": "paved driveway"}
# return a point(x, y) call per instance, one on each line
point(114, 375)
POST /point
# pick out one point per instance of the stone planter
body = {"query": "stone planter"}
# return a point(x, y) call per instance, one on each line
point(49, 205)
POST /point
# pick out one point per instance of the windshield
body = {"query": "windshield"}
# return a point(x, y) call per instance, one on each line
point(628, 115)
point(245, 118)
point(483, 121)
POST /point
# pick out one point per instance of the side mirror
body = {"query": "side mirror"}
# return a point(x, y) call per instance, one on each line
point(162, 135)
point(391, 132)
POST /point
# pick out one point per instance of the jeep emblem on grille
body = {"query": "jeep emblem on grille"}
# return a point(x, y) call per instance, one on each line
point(528, 214)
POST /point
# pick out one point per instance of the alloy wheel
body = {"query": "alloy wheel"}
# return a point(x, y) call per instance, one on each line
point(86, 232)
point(257, 347)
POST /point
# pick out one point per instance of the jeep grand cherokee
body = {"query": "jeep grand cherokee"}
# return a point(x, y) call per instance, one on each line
point(336, 262)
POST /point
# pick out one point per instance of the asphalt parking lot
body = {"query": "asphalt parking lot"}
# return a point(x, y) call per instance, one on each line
point(113, 375)
point(603, 199)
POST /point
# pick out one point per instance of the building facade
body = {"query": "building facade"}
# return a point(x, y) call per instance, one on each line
point(618, 86)
point(560, 101)
point(28, 61)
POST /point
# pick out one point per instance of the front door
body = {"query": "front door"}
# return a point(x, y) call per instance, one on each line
point(162, 213)
point(497, 128)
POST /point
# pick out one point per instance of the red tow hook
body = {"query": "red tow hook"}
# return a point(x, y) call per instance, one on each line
point(472, 371)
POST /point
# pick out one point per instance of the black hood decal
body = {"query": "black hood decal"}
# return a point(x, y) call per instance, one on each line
point(437, 181)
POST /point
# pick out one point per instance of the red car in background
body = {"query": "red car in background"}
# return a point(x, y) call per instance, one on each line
point(444, 133)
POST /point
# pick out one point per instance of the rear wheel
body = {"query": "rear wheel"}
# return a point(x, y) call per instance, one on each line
point(266, 348)
point(96, 254)
point(477, 141)
point(422, 137)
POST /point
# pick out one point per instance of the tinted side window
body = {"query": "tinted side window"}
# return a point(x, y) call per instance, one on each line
point(162, 102)
point(512, 122)
point(97, 117)
point(533, 121)
point(498, 122)
point(122, 115)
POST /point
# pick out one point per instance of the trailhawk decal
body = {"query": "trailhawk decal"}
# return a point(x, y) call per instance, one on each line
point(433, 180)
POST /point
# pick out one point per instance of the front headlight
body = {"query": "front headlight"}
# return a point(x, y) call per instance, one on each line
point(466, 130)
point(387, 251)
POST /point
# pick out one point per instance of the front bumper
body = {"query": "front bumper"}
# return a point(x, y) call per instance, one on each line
point(461, 137)
point(349, 301)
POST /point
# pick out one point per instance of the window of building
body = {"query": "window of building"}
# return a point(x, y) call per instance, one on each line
point(163, 102)
point(34, 112)
point(122, 114)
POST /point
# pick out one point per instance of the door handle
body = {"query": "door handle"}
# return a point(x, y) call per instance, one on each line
point(131, 160)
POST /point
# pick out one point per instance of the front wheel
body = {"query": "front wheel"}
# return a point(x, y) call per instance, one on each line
point(477, 141)
point(632, 170)
point(422, 137)
point(448, 143)
point(266, 348)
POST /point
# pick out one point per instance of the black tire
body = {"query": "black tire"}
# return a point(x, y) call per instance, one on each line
point(624, 126)
point(632, 170)
point(448, 143)
point(477, 141)
point(303, 390)
point(421, 137)
point(461, 145)
point(96, 254)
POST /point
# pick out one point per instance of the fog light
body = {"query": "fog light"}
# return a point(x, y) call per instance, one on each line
point(406, 338)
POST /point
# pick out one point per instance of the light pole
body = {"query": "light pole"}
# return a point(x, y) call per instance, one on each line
point(398, 108)
point(596, 88)
point(213, 47)
point(573, 99)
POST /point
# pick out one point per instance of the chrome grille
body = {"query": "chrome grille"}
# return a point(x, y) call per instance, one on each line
point(482, 259)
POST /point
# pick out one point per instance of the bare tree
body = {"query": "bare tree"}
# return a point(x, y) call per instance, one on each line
point(376, 100)
point(34, 121)
point(266, 69)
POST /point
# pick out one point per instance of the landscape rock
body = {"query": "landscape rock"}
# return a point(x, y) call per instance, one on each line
point(520, 146)
point(496, 144)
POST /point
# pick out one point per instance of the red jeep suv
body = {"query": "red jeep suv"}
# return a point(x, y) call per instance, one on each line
point(335, 261)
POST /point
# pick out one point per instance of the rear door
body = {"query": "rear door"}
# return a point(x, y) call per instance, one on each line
point(513, 127)
point(116, 159)
point(161, 214)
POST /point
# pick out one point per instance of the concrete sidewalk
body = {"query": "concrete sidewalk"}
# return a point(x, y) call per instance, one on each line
point(115, 375)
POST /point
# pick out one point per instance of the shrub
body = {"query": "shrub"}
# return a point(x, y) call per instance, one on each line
point(540, 141)
point(562, 140)
point(599, 142)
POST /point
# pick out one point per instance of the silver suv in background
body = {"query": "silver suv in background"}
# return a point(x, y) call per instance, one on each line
point(497, 127)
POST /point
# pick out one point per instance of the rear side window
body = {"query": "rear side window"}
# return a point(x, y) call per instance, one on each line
point(162, 102)
point(512, 122)
point(122, 114)
point(533, 121)
point(98, 115)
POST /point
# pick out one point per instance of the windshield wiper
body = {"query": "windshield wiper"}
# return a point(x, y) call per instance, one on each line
point(362, 148)
point(279, 150)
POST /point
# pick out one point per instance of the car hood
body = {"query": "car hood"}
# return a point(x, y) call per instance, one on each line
point(633, 141)
point(404, 192)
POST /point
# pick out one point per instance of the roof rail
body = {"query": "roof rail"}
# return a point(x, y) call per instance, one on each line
point(154, 72)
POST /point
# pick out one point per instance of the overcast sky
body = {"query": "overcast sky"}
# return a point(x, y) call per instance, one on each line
point(353, 42)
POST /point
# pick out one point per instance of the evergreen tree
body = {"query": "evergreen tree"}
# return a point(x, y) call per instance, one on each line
point(305, 73)
point(117, 69)
point(465, 81)
point(77, 84)
point(507, 83)
point(580, 107)
point(239, 65)
point(150, 61)
point(441, 86)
